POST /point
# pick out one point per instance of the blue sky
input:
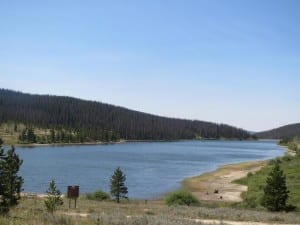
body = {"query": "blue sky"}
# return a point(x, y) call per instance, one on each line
point(234, 62)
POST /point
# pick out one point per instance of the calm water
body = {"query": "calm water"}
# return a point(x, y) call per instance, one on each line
point(152, 169)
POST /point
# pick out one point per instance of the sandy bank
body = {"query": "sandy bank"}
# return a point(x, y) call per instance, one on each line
point(220, 180)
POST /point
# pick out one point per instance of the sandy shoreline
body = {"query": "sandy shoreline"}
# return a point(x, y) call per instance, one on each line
point(205, 185)
point(221, 180)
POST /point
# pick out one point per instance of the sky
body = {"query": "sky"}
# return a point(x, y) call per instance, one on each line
point(234, 62)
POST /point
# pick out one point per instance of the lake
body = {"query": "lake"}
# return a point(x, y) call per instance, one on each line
point(152, 168)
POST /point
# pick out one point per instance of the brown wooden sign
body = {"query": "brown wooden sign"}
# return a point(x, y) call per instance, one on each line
point(73, 191)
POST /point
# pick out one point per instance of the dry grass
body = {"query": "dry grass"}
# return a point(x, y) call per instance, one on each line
point(10, 136)
point(31, 211)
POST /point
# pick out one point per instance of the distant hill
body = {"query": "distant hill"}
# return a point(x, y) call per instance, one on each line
point(70, 119)
point(288, 131)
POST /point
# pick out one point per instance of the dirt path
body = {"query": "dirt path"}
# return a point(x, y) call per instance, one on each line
point(76, 214)
point(205, 221)
point(204, 186)
point(202, 221)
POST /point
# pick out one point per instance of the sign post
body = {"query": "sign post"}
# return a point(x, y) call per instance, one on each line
point(73, 193)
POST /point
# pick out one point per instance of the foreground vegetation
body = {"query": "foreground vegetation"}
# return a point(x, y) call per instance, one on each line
point(10, 181)
point(290, 166)
point(31, 210)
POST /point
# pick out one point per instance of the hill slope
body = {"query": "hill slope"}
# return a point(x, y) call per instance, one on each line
point(288, 131)
point(92, 121)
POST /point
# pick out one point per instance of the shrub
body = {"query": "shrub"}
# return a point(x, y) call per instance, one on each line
point(181, 197)
point(98, 196)
point(250, 174)
point(286, 158)
point(293, 146)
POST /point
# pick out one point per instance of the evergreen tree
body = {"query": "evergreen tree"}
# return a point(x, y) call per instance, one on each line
point(52, 136)
point(3, 201)
point(23, 136)
point(31, 137)
point(275, 192)
point(54, 199)
point(117, 185)
point(10, 182)
point(28, 136)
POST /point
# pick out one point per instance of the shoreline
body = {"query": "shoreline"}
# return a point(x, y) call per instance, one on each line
point(124, 141)
point(218, 185)
point(67, 144)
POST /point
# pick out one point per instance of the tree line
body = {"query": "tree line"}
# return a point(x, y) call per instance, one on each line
point(285, 132)
point(84, 120)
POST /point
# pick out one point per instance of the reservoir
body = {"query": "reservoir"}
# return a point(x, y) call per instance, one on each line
point(151, 168)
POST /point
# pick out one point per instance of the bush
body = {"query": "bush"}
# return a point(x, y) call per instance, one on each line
point(293, 146)
point(250, 174)
point(287, 158)
point(98, 196)
point(181, 197)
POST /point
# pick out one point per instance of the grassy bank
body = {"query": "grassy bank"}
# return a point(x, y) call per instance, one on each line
point(256, 181)
point(31, 211)
point(241, 185)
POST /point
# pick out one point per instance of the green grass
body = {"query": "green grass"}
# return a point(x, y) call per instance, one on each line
point(256, 182)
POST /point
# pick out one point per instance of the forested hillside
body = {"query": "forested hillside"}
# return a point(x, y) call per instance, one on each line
point(75, 120)
point(288, 131)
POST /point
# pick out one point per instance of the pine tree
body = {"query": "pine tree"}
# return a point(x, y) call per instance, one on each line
point(54, 199)
point(11, 183)
point(52, 136)
point(31, 137)
point(275, 192)
point(3, 201)
point(117, 185)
